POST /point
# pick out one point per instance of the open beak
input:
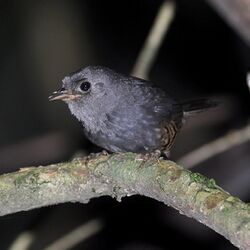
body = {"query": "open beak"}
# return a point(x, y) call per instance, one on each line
point(64, 95)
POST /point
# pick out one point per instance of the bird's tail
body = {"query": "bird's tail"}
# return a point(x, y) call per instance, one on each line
point(195, 106)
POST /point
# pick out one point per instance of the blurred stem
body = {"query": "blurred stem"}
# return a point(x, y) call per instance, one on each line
point(213, 148)
point(236, 13)
point(248, 80)
point(78, 235)
point(23, 241)
point(126, 174)
point(154, 40)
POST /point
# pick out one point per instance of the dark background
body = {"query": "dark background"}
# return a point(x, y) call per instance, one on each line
point(42, 41)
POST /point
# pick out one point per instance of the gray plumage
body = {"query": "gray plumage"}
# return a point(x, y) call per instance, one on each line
point(123, 113)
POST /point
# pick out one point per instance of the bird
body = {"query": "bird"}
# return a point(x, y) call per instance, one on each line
point(121, 113)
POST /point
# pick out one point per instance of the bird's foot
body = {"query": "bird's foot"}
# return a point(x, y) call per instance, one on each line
point(151, 155)
point(166, 154)
point(104, 152)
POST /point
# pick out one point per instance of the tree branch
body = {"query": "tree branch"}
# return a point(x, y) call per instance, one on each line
point(127, 174)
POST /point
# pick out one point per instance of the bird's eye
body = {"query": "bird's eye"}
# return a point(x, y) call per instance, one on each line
point(85, 86)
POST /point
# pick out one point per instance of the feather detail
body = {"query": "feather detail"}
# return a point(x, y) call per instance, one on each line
point(195, 106)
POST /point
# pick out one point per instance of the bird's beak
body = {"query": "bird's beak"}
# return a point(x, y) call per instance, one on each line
point(64, 95)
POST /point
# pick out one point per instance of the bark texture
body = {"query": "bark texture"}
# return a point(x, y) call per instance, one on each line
point(120, 175)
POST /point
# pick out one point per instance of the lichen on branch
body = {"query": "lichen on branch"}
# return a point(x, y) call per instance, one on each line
point(120, 175)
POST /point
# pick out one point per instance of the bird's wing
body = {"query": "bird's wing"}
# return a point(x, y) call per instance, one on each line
point(156, 101)
point(138, 120)
point(133, 129)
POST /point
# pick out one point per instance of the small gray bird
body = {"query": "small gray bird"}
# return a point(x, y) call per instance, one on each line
point(123, 113)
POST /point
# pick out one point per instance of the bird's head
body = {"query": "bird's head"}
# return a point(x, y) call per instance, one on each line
point(88, 91)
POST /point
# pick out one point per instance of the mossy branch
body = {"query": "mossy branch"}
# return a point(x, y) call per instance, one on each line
point(120, 175)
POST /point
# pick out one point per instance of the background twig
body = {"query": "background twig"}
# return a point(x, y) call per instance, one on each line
point(77, 235)
point(23, 241)
point(154, 40)
point(248, 80)
point(236, 13)
point(215, 147)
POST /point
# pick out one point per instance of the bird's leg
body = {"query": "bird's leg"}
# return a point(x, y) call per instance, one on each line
point(166, 154)
point(146, 156)
point(104, 152)
point(93, 155)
